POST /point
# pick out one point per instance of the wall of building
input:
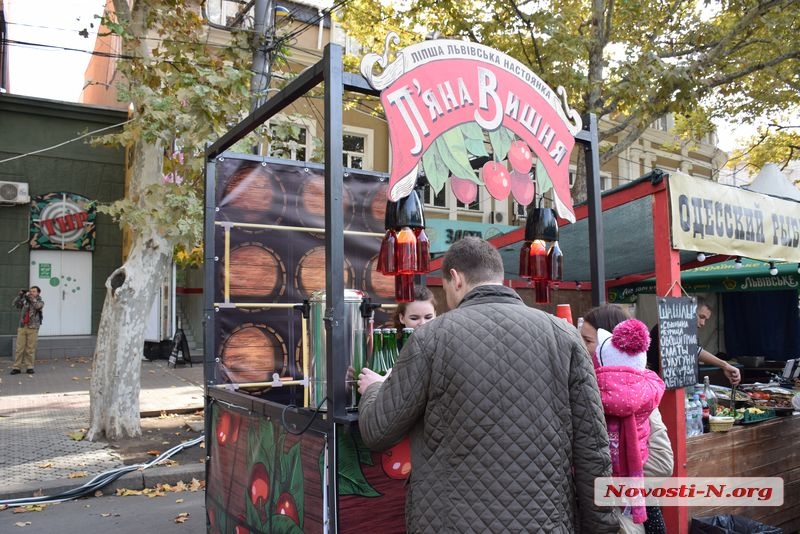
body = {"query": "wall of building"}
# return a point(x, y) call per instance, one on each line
point(96, 172)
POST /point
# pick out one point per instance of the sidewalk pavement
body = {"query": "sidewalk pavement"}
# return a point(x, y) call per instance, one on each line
point(38, 413)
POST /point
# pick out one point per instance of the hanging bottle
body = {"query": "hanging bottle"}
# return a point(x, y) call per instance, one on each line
point(538, 260)
point(555, 262)
point(388, 254)
point(525, 260)
point(406, 251)
point(423, 251)
point(404, 288)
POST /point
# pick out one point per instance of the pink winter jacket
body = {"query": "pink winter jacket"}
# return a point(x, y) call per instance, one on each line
point(629, 396)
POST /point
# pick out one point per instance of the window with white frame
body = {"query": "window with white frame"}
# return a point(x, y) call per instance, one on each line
point(437, 200)
point(291, 138)
point(357, 148)
point(661, 124)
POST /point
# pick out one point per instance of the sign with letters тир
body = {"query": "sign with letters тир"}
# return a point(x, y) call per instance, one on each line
point(677, 325)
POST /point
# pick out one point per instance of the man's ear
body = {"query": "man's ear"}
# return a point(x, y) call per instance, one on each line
point(457, 279)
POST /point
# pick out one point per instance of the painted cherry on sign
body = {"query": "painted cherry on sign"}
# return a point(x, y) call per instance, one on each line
point(396, 462)
point(240, 528)
point(259, 488)
point(286, 506)
point(228, 428)
point(466, 191)
point(522, 187)
point(496, 179)
point(520, 157)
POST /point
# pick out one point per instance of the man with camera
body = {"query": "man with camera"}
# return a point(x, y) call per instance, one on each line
point(30, 304)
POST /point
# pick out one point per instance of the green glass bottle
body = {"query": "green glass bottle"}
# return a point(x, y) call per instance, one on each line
point(404, 338)
point(390, 346)
point(378, 361)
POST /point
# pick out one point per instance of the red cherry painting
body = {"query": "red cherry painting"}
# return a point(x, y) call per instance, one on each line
point(228, 428)
point(286, 506)
point(240, 528)
point(522, 187)
point(466, 191)
point(496, 179)
point(520, 157)
point(259, 487)
point(396, 461)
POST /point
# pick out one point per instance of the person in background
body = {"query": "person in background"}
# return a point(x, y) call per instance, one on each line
point(502, 409)
point(703, 315)
point(415, 313)
point(30, 304)
point(660, 460)
point(630, 394)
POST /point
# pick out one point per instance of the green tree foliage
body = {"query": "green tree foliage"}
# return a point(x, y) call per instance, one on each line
point(185, 91)
point(631, 61)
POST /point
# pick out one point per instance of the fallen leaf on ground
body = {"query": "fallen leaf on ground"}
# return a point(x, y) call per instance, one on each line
point(23, 523)
point(98, 493)
point(124, 492)
point(46, 465)
point(182, 517)
point(168, 463)
point(3, 507)
point(76, 378)
point(29, 508)
point(78, 435)
point(78, 474)
point(179, 501)
point(153, 452)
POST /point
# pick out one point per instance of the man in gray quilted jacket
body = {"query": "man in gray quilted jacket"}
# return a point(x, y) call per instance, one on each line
point(502, 409)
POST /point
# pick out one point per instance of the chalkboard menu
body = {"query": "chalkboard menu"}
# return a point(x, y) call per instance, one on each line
point(677, 325)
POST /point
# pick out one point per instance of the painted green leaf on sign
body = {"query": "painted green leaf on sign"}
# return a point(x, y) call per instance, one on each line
point(501, 140)
point(435, 170)
point(292, 477)
point(473, 139)
point(454, 153)
point(351, 479)
point(543, 181)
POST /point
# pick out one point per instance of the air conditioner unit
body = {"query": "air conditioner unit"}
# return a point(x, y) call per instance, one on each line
point(14, 193)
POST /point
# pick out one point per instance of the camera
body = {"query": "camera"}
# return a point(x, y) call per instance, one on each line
point(22, 292)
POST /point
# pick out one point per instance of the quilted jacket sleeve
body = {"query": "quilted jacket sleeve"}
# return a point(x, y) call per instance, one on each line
point(591, 456)
point(387, 411)
point(660, 460)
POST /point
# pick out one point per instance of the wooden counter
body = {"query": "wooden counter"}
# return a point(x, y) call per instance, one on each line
point(769, 448)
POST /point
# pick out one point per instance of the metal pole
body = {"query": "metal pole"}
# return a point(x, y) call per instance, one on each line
point(595, 217)
point(263, 29)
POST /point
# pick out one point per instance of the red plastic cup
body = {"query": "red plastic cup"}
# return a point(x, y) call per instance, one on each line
point(565, 312)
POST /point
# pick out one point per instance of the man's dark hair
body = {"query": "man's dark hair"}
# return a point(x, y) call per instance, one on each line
point(476, 259)
point(703, 303)
point(39, 289)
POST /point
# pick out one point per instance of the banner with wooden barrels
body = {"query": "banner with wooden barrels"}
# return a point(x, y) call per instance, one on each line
point(270, 255)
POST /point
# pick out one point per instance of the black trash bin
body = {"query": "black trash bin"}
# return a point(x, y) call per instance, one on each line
point(730, 524)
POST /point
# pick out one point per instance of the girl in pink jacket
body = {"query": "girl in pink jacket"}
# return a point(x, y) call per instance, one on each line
point(629, 392)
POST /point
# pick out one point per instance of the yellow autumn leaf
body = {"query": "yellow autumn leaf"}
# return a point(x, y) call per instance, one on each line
point(78, 435)
point(124, 492)
point(78, 474)
point(46, 465)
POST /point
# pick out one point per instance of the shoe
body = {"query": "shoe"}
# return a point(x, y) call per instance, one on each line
point(15, 372)
point(30, 371)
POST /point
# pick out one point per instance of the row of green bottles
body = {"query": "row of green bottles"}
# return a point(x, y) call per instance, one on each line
point(384, 350)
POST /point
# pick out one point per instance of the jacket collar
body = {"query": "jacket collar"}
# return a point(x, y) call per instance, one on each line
point(490, 293)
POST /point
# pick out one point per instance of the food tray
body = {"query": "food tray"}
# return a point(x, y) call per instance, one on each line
point(750, 418)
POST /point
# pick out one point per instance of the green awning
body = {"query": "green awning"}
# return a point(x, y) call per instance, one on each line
point(722, 277)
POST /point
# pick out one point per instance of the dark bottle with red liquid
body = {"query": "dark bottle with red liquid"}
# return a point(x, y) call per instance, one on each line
point(555, 262)
point(423, 251)
point(525, 260)
point(406, 251)
point(404, 288)
point(538, 258)
point(387, 258)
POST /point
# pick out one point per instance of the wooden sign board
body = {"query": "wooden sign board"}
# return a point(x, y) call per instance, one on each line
point(677, 324)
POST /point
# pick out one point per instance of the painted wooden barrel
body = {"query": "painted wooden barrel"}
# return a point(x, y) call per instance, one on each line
point(376, 284)
point(252, 353)
point(310, 274)
point(256, 272)
point(311, 204)
point(253, 195)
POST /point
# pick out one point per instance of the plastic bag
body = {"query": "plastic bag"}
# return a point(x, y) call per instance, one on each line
point(730, 524)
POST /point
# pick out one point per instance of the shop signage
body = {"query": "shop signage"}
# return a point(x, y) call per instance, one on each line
point(438, 93)
point(443, 232)
point(709, 217)
point(677, 336)
point(62, 221)
point(45, 270)
point(720, 277)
